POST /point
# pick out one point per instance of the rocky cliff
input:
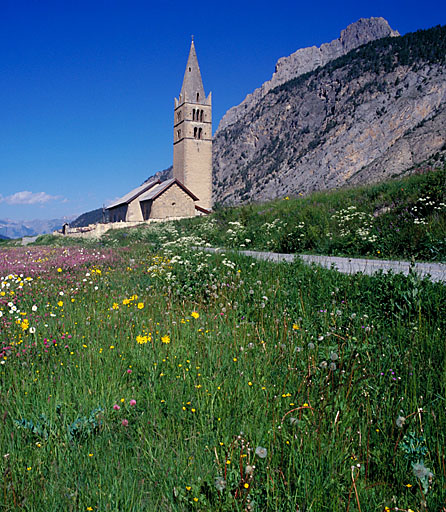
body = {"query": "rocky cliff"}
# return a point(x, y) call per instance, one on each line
point(362, 108)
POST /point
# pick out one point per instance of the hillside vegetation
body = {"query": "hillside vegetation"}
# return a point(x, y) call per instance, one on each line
point(403, 218)
point(134, 379)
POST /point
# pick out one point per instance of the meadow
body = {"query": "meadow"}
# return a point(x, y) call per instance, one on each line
point(154, 377)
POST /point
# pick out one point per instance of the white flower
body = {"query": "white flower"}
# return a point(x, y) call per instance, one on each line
point(34, 308)
point(32, 330)
point(261, 452)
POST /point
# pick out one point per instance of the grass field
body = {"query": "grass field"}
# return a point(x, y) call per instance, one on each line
point(138, 378)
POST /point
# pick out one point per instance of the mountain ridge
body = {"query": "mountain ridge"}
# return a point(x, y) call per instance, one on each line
point(340, 123)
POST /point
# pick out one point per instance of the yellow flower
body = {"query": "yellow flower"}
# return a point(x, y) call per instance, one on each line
point(115, 305)
point(246, 486)
point(165, 339)
point(59, 269)
point(305, 404)
point(28, 468)
point(89, 508)
point(60, 303)
point(195, 499)
point(409, 485)
point(295, 327)
point(140, 305)
point(194, 314)
point(188, 487)
point(90, 455)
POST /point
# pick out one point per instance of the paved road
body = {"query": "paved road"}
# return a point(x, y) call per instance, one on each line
point(436, 271)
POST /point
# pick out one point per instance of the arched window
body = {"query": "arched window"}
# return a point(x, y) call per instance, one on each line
point(193, 114)
point(195, 132)
point(199, 132)
point(201, 116)
point(198, 96)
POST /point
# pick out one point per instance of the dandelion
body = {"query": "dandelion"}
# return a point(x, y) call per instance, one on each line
point(249, 470)
point(60, 303)
point(261, 452)
point(334, 356)
point(246, 485)
point(195, 315)
point(400, 421)
point(140, 305)
point(165, 339)
point(220, 483)
point(421, 471)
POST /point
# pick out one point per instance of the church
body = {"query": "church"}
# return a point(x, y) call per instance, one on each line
point(189, 192)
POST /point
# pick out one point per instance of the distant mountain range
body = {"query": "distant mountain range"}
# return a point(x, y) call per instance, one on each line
point(18, 229)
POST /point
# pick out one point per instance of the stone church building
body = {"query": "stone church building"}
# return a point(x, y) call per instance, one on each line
point(189, 192)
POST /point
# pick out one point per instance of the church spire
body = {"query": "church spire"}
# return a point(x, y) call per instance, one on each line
point(192, 90)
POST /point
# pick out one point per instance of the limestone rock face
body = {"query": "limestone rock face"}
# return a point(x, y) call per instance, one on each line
point(308, 59)
point(364, 116)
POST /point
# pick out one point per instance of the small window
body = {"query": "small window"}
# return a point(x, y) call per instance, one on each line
point(179, 133)
point(193, 114)
point(195, 132)
point(174, 203)
point(201, 116)
point(198, 96)
point(179, 116)
point(199, 132)
point(190, 69)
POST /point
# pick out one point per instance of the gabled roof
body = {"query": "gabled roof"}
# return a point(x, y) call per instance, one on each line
point(133, 194)
point(158, 189)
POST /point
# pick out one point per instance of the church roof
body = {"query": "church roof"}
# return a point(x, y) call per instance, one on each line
point(192, 90)
point(133, 193)
point(158, 189)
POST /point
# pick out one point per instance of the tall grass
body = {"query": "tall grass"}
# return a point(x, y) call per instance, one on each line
point(135, 379)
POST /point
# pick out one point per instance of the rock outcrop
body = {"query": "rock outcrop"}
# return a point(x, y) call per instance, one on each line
point(306, 60)
point(367, 115)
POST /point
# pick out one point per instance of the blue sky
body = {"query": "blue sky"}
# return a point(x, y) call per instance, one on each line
point(87, 88)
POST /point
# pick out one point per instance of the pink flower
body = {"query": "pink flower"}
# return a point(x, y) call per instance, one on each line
point(125, 423)
point(132, 402)
point(129, 371)
point(116, 407)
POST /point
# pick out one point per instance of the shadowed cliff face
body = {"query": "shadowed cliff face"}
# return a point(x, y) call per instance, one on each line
point(365, 116)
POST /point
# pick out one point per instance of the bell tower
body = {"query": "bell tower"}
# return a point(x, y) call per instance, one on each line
point(192, 137)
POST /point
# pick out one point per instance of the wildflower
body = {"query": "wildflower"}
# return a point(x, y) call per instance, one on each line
point(220, 483)
point(400, 421)
point(140, 305)
point(332, 367)
point(59, 269)
point(295, 327)
point(261, 452)
point(129, 371)
point(125, 423)
point(249, 470)
point(311, 346)
point(116, 407)
point(324, 364)
point(165, 339)
point(246, 485)
point(421, 471)
point(60, 303)
point(195, 315)
point(32, 330)
point(132, 402)
point(90, 455)
point(334, 356)
point(115, 305)
point(34, 308)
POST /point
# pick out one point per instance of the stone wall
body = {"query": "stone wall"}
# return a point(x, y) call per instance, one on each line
point(174, 202)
